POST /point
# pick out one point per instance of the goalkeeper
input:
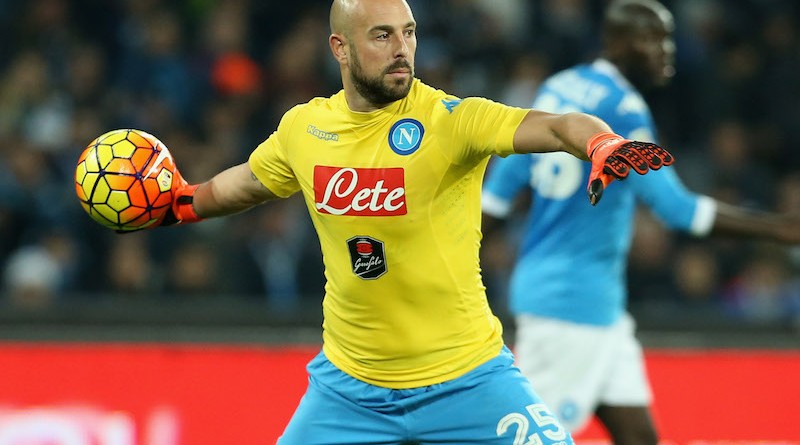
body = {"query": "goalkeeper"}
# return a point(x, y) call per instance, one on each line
point(391, 170)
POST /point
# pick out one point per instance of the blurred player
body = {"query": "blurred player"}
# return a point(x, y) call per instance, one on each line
point(391, 170)
point(575, 340)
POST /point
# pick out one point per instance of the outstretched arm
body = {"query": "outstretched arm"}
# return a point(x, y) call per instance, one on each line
point(731, 220)
point(588, 137)
point(700, 215)
point(546, 132)
point(231, 191)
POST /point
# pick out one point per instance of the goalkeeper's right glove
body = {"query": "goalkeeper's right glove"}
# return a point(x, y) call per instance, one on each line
point(182, 210)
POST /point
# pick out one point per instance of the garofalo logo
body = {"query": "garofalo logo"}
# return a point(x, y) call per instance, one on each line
point(367, 257)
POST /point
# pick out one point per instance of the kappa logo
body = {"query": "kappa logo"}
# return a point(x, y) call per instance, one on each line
point(320, 134)
point(405, 137)
point(449, 105)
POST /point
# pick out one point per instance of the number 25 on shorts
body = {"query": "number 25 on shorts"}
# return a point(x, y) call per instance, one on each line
point(544, 422)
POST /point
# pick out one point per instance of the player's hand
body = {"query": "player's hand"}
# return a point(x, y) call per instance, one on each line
point(613, 157)
point(182, 210)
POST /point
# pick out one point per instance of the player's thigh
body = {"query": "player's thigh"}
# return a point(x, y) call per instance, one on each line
point(628, 425)
point(324, 417)
point(628, 385)
point(498, 407)
point(567, 363)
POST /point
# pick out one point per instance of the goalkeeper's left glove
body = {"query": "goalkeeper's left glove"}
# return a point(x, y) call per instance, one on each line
point(613, 156)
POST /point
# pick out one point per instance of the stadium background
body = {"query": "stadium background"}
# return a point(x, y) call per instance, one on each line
point(99, 329)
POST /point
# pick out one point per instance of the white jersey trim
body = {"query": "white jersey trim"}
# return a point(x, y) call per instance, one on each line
point(704, 216)
point(495, 206)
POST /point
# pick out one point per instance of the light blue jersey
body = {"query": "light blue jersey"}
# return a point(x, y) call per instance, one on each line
point(573, 256)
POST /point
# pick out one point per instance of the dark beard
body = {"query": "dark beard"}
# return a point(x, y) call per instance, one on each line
point(374, 90)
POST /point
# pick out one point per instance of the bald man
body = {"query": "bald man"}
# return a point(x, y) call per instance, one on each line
point(574, 338)
point(390, 170)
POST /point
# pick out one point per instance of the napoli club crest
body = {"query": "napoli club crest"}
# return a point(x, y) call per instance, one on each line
point(367, 257)
point(405, 136)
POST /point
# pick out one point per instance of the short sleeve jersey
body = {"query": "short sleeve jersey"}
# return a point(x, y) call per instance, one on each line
point(394, 195)
point(563, 232)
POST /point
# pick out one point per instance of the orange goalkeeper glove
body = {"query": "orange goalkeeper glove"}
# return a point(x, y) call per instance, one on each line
point(613, 156)
point(182, 210)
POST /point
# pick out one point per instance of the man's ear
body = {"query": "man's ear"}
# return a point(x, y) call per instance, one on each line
point(338, 47)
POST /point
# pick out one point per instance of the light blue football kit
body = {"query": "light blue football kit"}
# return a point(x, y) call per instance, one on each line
point(573, 256)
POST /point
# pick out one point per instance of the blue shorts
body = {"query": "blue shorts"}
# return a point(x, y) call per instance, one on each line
point(492, 404)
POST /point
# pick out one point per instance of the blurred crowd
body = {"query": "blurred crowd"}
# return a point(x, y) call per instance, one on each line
point(211, 78)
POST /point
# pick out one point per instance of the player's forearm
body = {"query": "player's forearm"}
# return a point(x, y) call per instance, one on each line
point(574, 130)
point(231, 191)
point(545, 132)
point(736, 221)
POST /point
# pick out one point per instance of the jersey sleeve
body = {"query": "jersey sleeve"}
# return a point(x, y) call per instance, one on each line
point(628, 115)
point(481, 127)
point(270, 162)
point(669, 199)
point(506, 178)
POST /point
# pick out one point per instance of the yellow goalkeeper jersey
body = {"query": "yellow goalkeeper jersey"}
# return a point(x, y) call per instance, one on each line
point(394, 195)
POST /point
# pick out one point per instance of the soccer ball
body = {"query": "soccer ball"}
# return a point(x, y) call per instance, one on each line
point(124, 180)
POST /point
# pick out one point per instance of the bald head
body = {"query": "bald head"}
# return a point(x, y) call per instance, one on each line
point(374, 42)
point(624, 16)
point(341, 16)
point(346, 13)
point(637, 39)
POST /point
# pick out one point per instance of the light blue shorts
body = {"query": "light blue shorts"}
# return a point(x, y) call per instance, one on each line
point(492, 404)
